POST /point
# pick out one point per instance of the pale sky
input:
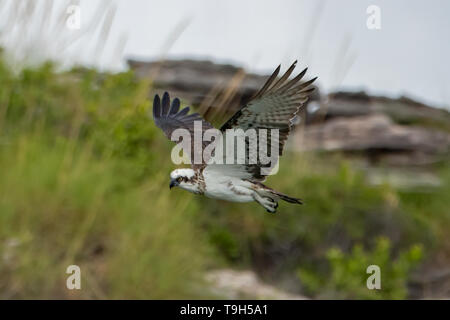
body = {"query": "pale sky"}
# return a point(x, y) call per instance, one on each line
point(409, 55)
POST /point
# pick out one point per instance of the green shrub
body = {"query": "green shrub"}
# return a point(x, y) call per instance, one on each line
point(346, 274)
point(84, 181)
point(81, 184)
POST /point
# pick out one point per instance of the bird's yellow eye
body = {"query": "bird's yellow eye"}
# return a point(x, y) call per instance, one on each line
point(179, 179)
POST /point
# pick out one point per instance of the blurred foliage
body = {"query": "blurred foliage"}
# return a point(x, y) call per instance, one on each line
point(347, 278)
point(81, 185)
point(84, 181)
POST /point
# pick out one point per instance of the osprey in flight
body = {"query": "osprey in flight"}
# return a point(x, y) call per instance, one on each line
point(272, 108)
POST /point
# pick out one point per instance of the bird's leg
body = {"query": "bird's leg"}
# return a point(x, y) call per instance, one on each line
point(268, 203)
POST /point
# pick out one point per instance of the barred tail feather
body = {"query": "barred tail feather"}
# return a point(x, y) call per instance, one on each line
point(288, 198)
point(275, 195)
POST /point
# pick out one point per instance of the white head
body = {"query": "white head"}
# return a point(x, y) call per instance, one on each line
point(185, 179)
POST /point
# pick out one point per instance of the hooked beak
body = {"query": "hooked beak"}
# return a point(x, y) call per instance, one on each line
point(173, 183)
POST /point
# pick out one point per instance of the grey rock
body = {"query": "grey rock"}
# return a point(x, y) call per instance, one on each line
point(397, 131)
point(378, 134)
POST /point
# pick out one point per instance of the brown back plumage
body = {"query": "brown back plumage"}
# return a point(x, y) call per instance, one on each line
point(273, 107)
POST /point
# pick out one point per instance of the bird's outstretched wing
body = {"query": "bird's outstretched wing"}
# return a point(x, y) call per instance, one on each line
point(168, 117)
point(274, 106)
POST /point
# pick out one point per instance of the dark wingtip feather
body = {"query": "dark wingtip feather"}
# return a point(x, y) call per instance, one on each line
point(165, 103)
point(183, 112)
point(303, 72)
point(286, 75)
point(306, 84)
point(277, 70)
point(175, 106)
point(156, 107)
point(308, 90)
point(293, 81)
point(268, 83)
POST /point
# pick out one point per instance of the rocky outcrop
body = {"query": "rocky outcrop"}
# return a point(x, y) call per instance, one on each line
point(234, 284)
point(395, 131)
point(401, 110)
point(377, 135)
point(199, 81)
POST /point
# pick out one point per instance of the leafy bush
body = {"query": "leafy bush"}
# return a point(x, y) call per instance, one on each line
point(84, 181)
point(341, 209)
point(346, 277)
point(80, 185)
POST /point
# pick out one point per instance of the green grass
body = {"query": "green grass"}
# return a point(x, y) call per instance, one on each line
point(59, 208)
point(348, 273)
point(84, 180)
point(81, 185)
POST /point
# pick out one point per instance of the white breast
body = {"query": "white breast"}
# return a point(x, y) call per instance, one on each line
point(220, 186)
